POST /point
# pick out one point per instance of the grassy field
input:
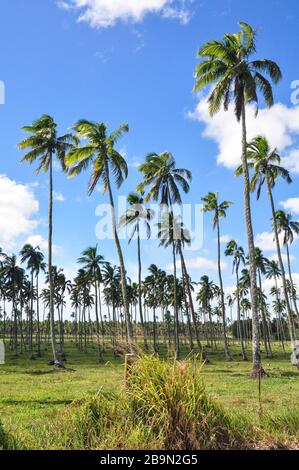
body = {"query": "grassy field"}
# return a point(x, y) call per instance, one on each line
point(32, 395)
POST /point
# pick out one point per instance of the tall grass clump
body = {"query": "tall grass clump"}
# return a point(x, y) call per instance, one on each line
point(106, 421)
point(6, 441)
point(170, 398)
point(282, 423)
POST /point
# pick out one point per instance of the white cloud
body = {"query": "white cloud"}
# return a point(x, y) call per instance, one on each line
point(291, 204)
point(279, 124)
point(134, 164)
point(265, 241)
point(105, 13)
point(291, 161)
point(200, 263)
point(225, 238)
point(37, 240)
point(284, 257)
point(18, 209)
point(59, 197)
point(42, 243)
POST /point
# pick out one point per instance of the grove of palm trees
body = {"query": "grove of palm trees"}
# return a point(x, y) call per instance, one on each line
point(208, 364)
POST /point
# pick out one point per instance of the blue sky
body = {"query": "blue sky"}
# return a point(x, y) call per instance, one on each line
point(133, 61)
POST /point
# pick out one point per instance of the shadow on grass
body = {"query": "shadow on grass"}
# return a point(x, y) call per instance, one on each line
point(37, 402)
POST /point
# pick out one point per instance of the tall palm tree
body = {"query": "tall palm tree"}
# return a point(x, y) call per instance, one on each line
point(136, 214)
point(100, 153)
point(207, 292)
point(14, 277)
point(111, 281)
point(229, 64)
point(288, 227)
point(272, 271)
point(212, 204)
point(164, 181)
point(172, 231)
point(265, 163)
point(237, 252)
point(35, 263)
point(92, 261)
point(44, 143)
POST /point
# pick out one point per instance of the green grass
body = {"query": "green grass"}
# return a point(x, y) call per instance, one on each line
point(33, 397)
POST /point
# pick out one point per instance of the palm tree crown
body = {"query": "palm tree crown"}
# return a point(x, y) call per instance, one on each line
point(164, 179)
point(44, 142)
point(99, 151)
point(228, 62)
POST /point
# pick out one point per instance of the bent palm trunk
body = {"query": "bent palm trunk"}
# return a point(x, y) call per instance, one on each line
point(121, 261)
point(256, 356)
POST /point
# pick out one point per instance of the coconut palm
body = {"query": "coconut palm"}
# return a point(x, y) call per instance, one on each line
point(14, 277)
point(100, 153)
point(164, 181)
point(137, 214)
point(212, 204)
point(289, 228)
point(238, 76)
point(207, 292)
point(44, 143)
point(265, 162)
point(172, 231)
point(237, 253)
point(92, 262)
point(35, 263)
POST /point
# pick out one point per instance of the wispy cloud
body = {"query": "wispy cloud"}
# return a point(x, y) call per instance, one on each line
point(200, 262)
point(59, 197)
point(279, 124)
point(105, 13)
point(291, 204)
point(18, 212)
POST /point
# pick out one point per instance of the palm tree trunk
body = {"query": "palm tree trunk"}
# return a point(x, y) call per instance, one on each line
point(226, 348)
point(31, 319)
point(291, 324)
point(51, 285)
point(97, 318)
point(191, 305)
point(121, 260)
point(176, 313)
point(291, 281)
point(37, 319)
point(140, 288)
point(239, 318)
point(256, 355)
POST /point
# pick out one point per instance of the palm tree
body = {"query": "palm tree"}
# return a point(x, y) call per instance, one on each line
point(164, 180)
point(261, 262)
point(92, 261)
point(212, 204)
point(111, 281)
point(208, 290)
point(100, 152)
point(272, 271)
point(237, 252)
point(136, 214)
point(14, 277)
point(288, 227)
point(44, 143)
point(173, 232)
point(35, 263)
point(229, 65)
point(266, 165)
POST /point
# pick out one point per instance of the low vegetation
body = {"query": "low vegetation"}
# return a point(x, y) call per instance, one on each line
point(185, 404)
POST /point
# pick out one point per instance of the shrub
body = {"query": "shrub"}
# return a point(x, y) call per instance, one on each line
point(172, 400)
